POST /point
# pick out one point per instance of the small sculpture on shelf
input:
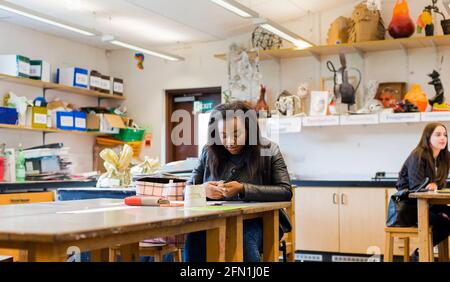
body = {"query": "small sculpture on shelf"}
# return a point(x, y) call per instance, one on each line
point(371, 104)
point(338, 32)
point(417, 97)
point(425, 20)
point(437, 83)
point(261, 108)
point(366, 25)
point(303, 93)
point(286, 103)
point(401, 26)
point(262, 39)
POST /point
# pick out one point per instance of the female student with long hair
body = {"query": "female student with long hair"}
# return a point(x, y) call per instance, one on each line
point(237, 164)
point(430, 159)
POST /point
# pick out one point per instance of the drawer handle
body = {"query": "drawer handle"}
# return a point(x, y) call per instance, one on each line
point(342, 198)
point(17, 201)
point(335, 200)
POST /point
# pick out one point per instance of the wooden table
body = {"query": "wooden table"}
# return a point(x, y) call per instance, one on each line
point(423, 202)
point(49, 230)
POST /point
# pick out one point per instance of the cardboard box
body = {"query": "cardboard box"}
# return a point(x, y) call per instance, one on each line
point(95, 80)
point(15, 65)
point(73, 77)
point(65, 120)
point(80, 121)
point(105, 84)
point(37, 117)
point(92, 122)
point(111, 124)
point(40, 70)
point(118, 86)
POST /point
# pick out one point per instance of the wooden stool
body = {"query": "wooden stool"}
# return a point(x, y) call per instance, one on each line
point(151, 250)
point(406, 233)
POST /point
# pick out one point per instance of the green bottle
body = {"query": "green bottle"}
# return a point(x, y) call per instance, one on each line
point(20, 165)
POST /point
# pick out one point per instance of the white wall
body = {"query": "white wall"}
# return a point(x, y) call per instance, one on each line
point(353, 152)
point(59, 52)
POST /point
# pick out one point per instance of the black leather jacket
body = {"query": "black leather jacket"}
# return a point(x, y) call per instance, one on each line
point(273, 185)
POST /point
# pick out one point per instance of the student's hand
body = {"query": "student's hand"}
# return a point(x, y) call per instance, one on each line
point(231, 189)
point(213, 191)
point(432, 187)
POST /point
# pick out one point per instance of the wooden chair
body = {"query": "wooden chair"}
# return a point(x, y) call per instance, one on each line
point(287, 243)
point(151, 250)
point(406, 233)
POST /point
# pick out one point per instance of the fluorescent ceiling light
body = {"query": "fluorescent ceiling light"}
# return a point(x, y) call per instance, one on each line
point(236, 8)
point(286, 34)
point(33, 15)
point(146, 51)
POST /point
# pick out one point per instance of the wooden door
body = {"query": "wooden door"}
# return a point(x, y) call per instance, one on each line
point(317, 219)
point(184, 100)
point(362, 218)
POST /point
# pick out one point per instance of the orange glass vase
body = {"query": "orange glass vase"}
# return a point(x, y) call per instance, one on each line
point(417, 97)
point(401, 26)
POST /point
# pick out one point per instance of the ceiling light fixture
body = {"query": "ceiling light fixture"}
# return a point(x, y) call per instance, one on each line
point(44, 19)
point(146, 51)
point(236, 8)
point(286, 34)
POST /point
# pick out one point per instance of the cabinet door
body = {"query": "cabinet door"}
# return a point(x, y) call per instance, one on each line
point(362, 215)
point(317, 219)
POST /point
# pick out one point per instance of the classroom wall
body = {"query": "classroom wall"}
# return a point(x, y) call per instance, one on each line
point(59, 52)
point(352, 152)
point(346, 152)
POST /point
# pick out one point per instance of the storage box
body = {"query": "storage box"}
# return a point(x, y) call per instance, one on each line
point(40, 70)
point(92, 122)
point(130, 134)
point(95, 80)
point(65, 120)
point(106, 84)
point(15, 65)
point(37, 117)
point(80, 122)
point(8, 115)
point(111, 124)
point(118, 86)
point(74, 77)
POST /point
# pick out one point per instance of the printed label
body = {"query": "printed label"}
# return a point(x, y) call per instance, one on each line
point(35, 71)
point(24, 68)
point(81, 79)
point(67, 121)
point(106, 84)
point(96, 82)
point(80, 123)
point(118, 87)
point(40, 119)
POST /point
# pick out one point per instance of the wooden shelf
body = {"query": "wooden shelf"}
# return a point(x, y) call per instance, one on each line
point(51, 130)
point(58, 87)
point(359, 48)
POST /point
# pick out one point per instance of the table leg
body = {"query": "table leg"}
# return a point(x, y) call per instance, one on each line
point(101, 255)
point(234, 239)
point(425, 251)
point(129, 252)
point(215, 243)
point(47, 253)
point(271, 239)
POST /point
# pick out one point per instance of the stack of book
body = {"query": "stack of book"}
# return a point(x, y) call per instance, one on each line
point(49, 162)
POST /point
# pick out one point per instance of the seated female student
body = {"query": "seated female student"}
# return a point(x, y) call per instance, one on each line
point(238, 165)
point(430, 159)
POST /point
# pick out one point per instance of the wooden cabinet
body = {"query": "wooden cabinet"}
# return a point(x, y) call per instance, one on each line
point(317, 219)
point(23, 198)
point(346, 220)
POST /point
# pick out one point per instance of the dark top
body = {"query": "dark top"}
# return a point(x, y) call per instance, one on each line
point(272, 185)
point(413, 173)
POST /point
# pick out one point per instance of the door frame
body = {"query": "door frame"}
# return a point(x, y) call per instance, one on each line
point(169, 94)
